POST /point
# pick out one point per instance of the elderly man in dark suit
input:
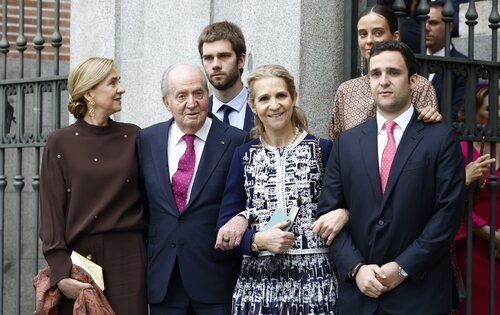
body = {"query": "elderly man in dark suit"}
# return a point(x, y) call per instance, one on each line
point(402, 181)
point(183, 166)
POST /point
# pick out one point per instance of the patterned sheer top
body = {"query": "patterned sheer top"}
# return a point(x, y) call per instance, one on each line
point(272, 179)
point(354, 102)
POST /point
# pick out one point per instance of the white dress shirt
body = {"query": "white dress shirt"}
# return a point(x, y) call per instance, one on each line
point(177, 147)
point(437, 53)
point(401, 121)
point(239, 105)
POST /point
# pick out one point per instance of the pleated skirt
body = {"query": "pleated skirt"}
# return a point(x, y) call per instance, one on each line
point(286, 284)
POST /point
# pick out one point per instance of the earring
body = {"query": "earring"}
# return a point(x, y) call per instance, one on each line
point(91, 105)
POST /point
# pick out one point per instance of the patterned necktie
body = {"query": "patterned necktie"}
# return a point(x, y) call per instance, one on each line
point(227, 110)
point(185, 170)
point(387, 154)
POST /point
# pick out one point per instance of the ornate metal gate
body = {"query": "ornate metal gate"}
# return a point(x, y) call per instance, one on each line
point(32, 91)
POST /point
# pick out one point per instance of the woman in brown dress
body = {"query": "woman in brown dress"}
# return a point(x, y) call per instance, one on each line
point(90, 200)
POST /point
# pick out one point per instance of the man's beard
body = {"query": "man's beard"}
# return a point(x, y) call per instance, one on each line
point(231, 79)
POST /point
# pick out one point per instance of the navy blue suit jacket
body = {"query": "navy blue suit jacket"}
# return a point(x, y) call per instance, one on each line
point(457, 88)
point(208, 275)
point(413, 223)
point(247, 125)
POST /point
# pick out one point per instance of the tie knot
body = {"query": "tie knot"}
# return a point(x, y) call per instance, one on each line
point(225, 108)
point(389, 125)
point(189, 139)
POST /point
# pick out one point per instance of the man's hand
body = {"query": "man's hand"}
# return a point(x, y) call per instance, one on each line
point(430, 115)
point(330, 224)
point(389, 275)
point(72, 288)
point(367, 281)
point(230, 234)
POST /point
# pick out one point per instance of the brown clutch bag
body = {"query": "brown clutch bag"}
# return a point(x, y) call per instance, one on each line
point(93, 269)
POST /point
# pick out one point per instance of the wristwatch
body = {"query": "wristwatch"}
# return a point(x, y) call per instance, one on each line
point(402, 273)
point(354, 271)
point(254, 247)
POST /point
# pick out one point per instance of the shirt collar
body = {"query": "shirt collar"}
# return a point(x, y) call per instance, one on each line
point(402, 120)
point(202, 134)
point(237, 103)
point(439, 52)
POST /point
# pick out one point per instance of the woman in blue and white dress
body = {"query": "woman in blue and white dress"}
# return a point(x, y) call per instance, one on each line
point(281, 169)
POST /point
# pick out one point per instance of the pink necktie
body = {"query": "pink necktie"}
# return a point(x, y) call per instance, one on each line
point(387, 154)
point(185, 169)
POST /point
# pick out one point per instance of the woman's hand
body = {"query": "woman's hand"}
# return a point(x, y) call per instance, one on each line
point(475, 170)
point(430, 115)
point(330, 224)
point(72, 288)
point(275, 239)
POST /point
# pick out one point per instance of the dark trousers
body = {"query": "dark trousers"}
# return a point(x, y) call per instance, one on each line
point(177, 301)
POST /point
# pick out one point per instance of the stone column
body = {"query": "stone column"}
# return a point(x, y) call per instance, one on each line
point(145, 37)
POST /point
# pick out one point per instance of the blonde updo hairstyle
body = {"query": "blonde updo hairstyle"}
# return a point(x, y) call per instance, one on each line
point(299, 119)
point(86, 75)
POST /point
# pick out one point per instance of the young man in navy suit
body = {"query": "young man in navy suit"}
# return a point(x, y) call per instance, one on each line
point(403, 184)
point(222, 50)
point(183, 168)
point(435, 41)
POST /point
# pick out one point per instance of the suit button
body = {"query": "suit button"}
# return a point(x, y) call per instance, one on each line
point(380, 222)
point(172, 245)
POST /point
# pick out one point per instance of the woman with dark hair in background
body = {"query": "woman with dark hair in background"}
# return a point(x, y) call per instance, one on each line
point(354, 101)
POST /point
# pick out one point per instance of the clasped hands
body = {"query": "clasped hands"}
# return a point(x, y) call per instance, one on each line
point(373, 280)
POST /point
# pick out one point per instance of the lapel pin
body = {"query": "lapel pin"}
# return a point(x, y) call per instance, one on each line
point(222, 142)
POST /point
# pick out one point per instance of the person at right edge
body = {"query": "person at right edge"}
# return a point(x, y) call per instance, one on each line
point(402, 183)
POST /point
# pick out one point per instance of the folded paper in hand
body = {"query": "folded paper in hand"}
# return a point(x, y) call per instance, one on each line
point(93, 269)
point(279, 216)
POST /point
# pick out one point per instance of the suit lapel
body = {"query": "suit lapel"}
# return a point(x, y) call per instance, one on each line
point(216, 145)
point(407, 145)
point(159, 149)
point(210, 103)
point(248, 118)
point(368, 146)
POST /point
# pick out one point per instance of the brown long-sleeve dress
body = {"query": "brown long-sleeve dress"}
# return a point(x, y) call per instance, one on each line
point(354, 102)
point(90, 202)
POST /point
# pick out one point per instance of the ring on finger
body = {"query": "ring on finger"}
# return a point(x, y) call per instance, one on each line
point(225, 240)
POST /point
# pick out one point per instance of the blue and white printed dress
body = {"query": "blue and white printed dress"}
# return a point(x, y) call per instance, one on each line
point(303, 280)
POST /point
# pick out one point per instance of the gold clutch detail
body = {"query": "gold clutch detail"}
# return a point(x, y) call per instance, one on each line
point(94, 270)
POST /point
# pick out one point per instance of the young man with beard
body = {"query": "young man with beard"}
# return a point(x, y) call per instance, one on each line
point(223, 51)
